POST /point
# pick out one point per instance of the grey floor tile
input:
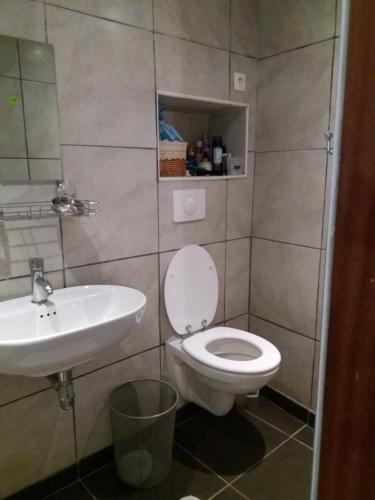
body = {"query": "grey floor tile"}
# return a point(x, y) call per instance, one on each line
point(187, 477)
point(306, 435)
point(229, 445)
point(74, 492)
point(187, 412)
point(284, 475)
point(229, 494)
point(274, 415)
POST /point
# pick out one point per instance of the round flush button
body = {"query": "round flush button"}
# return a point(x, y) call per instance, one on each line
point(190, 205)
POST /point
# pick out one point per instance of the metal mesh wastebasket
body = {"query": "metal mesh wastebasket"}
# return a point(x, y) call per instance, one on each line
point(143, 416)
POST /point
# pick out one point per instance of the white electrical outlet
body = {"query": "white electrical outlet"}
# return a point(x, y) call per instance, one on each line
point(239, 81)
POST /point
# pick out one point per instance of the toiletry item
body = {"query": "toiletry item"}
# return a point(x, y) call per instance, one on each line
point(235, 166)
point(217, 156)
point(191, 162)
point(205, 165)
point(206, 145)
point(199, 150)
point(225, 159)
point(167, 132)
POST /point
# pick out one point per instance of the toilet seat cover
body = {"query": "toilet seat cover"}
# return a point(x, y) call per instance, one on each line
point(191, 289)
point(268, 359)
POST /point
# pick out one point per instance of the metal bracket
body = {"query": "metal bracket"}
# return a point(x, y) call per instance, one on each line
point(204, 324)
point(329, 136)
point(188, 329)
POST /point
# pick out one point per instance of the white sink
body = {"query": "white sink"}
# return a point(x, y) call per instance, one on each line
point(75, 326)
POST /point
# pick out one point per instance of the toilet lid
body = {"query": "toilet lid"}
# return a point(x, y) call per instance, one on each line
point(191, 289)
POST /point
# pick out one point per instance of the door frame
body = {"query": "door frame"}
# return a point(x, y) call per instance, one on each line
point(344, 454)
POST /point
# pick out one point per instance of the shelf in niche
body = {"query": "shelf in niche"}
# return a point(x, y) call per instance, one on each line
point(194, 115)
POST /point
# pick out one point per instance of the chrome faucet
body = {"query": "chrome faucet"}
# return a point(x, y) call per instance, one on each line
point(41, 288)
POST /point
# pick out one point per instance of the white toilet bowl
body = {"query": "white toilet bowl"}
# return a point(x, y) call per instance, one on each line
point(210, 366)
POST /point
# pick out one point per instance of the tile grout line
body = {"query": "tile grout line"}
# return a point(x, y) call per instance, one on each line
point(100, 468)
point(284, 328)
point(187, 419)
point(303, 444)
point(88, 490)
point(305, 408)
point(108, 261)
point(34, 393)
point(142, 148)
point(286, 242)
point(221, 490)
point(272, 425)
point(265, 456)
point(46, 497)
point(122, 23)
point(260, 460)
point(292, 150)
point(240, 492)
point(202, 463)
point(159, 298)
point(300, 47)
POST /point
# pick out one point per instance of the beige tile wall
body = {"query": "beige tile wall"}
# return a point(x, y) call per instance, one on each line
point(111, 57)
point(297, 77)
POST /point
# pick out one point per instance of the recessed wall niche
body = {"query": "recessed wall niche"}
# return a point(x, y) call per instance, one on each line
point(193, 116)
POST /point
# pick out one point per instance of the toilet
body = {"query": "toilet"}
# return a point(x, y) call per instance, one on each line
point(209, 366)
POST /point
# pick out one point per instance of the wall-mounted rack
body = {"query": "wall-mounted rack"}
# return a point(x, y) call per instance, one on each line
point(42, 210)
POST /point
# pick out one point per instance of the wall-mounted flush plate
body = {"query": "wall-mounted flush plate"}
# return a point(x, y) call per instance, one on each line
point(239, 81)
point(189, 205)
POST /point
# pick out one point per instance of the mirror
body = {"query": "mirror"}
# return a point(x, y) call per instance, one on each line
point(29, 130)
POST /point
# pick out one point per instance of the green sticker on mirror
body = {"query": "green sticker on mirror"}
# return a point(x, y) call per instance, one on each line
point(12, 101)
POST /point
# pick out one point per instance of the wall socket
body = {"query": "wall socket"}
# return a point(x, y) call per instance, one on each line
point(239, 81)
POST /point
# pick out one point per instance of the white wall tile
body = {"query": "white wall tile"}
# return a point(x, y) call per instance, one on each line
point(294, 377)
point(205, 21)
point(190, 68)
point(241, 64)
point(244, 30)
point(289, 196)
point(209, 230)
point(293, 99)
point(134, 12)
point(22, 19)
point(36, 441)
point(284, 284)
point(237, 277)
point(293, 23)
point(124, 182)
point(239, 203)
point(106, 97)
point(240, 323)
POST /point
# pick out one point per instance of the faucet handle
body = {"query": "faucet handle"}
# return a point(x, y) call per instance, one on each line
point(36, 264)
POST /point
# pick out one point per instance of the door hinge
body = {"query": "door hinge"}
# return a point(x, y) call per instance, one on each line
point(329, 136)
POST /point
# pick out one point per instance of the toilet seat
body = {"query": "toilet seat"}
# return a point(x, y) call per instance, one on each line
point(230, 342)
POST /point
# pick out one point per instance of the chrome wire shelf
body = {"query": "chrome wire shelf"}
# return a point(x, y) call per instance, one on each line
point(42, 210)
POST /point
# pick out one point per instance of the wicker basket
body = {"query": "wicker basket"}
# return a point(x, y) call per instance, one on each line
point(172, 158)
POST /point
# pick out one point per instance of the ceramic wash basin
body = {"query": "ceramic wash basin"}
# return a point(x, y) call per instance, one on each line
point(74, 326)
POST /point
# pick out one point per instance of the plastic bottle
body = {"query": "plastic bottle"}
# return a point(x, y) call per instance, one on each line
point(217, 156)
